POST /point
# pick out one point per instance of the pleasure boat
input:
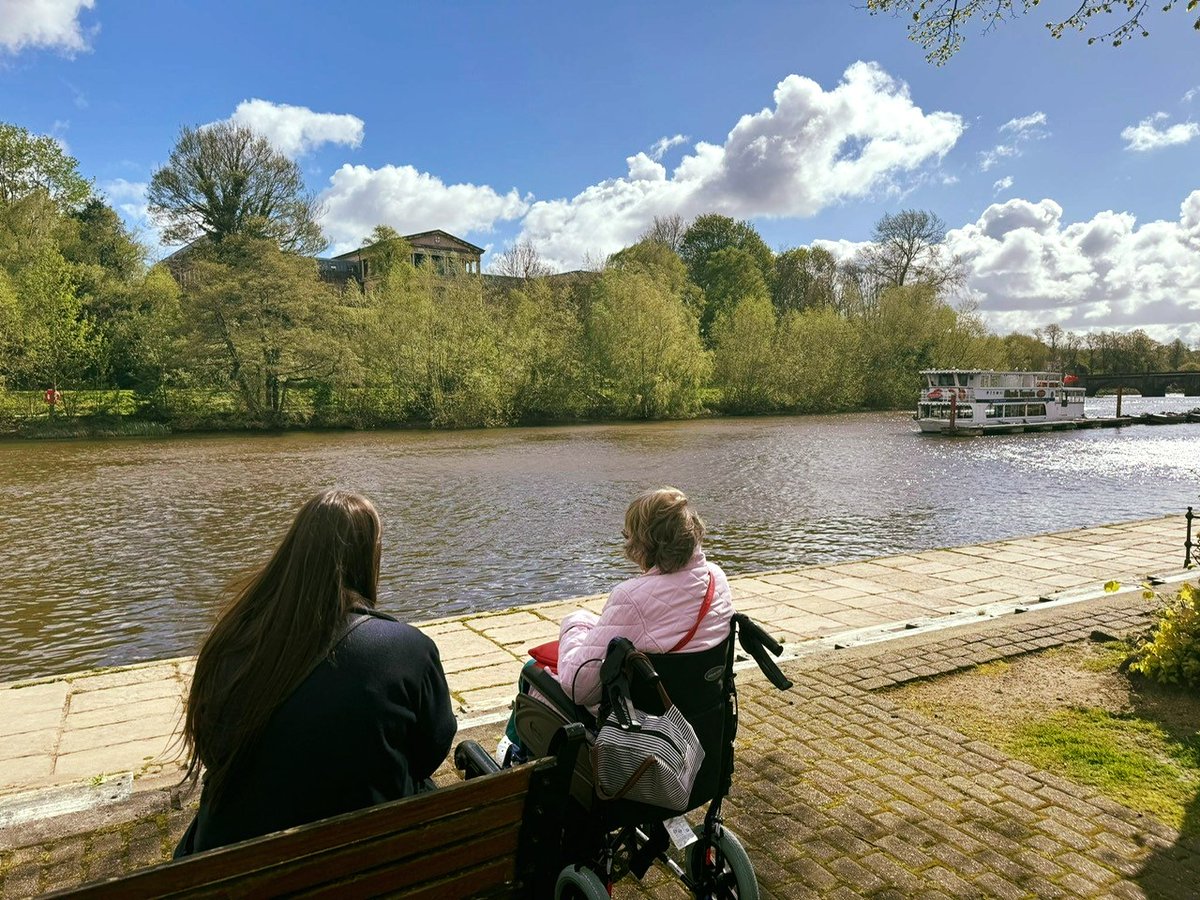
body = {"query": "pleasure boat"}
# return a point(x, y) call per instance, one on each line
point(983, 401)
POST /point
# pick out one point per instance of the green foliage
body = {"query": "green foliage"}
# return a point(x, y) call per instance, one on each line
point(36, 164)
point(820, 357)
point(259, 320)
point(644, 351)
point(745, 358)
point(711, 233)
point(728, 276)
point(223, 180)
point(1172, 654)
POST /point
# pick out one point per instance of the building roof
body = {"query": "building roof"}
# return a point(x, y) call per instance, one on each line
point(428, 240)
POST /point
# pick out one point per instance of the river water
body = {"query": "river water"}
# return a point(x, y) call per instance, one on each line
point(116, 551)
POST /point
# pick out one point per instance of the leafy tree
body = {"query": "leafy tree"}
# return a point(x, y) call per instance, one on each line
point(657, 261)
point(385, 249)
point(644, 348)
point(31, 164)
point(543, 340)
point(712, 232)
point(746, 358)
point(728, 276)
point(804, 278)
point(57, 341)
point(259, 320)
point(937, 26)
point(224, 181)
point(821, 366)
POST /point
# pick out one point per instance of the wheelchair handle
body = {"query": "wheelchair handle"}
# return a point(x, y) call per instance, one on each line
point(638, 665)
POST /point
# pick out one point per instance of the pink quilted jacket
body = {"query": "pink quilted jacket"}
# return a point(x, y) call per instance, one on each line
point(654, 611)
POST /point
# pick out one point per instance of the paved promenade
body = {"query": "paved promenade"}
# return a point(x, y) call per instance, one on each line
point(839, 792)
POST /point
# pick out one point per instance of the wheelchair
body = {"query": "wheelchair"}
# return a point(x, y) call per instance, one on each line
point(605, 840)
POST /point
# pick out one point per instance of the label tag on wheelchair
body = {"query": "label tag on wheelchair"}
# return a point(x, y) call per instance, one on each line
point(680, 831)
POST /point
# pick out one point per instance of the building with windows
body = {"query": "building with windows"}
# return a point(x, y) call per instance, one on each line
point(437, 249)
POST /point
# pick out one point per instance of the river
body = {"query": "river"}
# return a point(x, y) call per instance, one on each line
point(116, 551)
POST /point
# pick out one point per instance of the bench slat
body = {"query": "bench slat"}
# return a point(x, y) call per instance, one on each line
point(407, 856)
point(190, 877)
point(438, 877)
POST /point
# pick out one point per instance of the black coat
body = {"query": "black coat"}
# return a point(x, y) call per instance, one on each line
point(370, 723)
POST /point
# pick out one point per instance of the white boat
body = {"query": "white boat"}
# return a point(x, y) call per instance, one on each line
point(982, 401)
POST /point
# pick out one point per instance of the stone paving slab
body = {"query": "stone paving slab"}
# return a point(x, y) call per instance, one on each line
point(839, 792)
point(65, 728)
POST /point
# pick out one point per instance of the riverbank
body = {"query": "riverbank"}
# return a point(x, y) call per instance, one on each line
point(838, 788)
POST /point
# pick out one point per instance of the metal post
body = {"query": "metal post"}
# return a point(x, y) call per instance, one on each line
point(1187, 544)
point(1120, 388)
point(953, 411)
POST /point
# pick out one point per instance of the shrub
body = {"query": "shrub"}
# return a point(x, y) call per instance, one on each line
point(1171, 654)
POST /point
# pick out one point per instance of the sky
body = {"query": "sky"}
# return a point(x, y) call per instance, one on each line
point(1068, 174)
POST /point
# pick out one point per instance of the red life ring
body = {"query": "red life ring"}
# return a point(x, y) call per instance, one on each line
point(1041, 393)
point(935, 394)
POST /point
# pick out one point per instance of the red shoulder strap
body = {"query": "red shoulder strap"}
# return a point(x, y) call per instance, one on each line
point(708, 598)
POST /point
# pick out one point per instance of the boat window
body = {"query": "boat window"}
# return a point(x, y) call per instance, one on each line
point(946, 379)
point(1037, 409)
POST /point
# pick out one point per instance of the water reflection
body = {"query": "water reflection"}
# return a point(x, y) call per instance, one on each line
point(115, 551)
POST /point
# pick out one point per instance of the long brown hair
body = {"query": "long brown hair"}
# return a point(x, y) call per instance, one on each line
point(279, 621)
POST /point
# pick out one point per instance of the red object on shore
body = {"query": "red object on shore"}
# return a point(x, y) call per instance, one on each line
point(52, 396)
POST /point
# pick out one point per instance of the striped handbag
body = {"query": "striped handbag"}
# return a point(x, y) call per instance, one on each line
point(654, 761)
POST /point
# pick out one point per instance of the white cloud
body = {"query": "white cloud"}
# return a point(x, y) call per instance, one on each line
point(297, 130)
point(1025, 125)
point(44, 23)
point(989, 158)
point(1147, 135)
point(1002, 184)
point(1193, 92)
point(359, 198)
point(814, 148)
point(1028, 268)
point(1020, 131)
point(663, 144)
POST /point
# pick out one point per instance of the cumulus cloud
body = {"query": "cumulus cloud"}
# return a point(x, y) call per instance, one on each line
point(297, 130)
point(52, 24)
point(1029, 268)
point(359, 198)
point(813, 148)
point(663, 144)
point(1148, 135)
point(1002, 184)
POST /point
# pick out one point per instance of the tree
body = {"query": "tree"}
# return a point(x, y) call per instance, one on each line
point(224, 181)
point(712, 232)
point(521, 260)
point(32, 163)
point(385, 249)
point(907, 248)
point(746, 358)
point(644, 349)
point(937, 26)
point(728, 276)
point(804, 278)
point(262, 322)
point(666, 230)
point(657, 261)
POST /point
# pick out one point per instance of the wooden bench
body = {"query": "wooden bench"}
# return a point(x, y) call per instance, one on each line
point(493, 836)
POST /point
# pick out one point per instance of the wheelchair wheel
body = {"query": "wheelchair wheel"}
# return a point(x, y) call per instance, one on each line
point(727, 866)
point(578, 883)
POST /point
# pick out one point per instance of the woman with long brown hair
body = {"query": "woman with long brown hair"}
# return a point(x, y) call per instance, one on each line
point(306, 701)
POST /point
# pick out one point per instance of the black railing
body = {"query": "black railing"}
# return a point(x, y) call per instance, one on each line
point(1191, 553)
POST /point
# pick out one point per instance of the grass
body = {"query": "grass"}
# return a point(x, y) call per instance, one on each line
point(1071, 711)
point(1127, 758)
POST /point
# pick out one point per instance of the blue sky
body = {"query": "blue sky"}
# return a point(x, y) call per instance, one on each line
point(1068, 174)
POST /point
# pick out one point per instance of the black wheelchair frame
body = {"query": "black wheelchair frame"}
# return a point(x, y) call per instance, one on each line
point(605, 840)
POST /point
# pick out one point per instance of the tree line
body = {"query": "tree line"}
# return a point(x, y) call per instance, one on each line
point(239, 330)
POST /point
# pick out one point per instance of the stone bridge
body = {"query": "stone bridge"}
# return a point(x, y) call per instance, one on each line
point(1148, 384)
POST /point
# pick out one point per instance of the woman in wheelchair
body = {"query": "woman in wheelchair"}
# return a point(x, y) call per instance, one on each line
point(679, 614)
point(680, 602)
